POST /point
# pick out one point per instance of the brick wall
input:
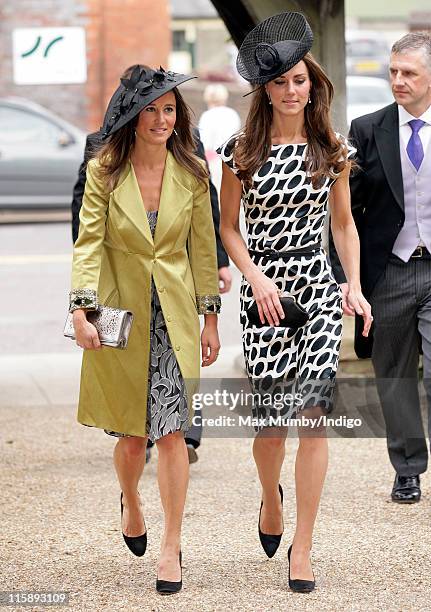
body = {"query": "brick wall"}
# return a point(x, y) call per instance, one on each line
point(118, 33)
point(124, 33)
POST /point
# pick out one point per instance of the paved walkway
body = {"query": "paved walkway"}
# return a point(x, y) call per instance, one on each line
point(60, 527)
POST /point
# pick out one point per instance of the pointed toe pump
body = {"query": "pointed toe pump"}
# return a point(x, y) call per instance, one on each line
point(138, 544)
point(168, 587)
point(270, 543)
point(299, 585)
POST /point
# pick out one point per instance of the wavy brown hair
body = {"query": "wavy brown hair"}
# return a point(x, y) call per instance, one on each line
point(327, 156)
point(113, 155)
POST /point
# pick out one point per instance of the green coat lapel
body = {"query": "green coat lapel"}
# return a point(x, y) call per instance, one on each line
point(128, 196)
point(173, 196)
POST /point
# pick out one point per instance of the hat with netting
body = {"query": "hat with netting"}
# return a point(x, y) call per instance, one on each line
point(143, 87)
point(274, 47)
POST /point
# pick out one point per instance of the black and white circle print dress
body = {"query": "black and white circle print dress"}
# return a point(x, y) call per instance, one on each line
point(283, 211)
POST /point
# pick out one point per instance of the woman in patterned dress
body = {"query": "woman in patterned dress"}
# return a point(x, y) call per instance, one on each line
point(146, 243)
point(286, 166)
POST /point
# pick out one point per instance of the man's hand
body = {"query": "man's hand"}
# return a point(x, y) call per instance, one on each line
point(225, 279)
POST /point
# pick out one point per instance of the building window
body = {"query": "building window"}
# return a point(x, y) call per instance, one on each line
point(179, 42)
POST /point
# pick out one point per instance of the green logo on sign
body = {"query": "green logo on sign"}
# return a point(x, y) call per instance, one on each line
point(37, 45)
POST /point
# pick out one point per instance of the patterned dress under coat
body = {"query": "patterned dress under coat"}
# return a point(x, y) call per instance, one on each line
point(167, 408)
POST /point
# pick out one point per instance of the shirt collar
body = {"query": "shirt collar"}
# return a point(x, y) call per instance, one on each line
point(405, 117)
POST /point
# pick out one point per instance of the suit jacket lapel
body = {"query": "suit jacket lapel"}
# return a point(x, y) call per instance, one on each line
point(387, 137)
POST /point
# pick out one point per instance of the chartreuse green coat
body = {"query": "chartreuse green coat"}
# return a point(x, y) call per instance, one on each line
point(113, 261)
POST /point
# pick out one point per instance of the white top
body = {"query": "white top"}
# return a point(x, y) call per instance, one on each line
point(406, 131)
point(216, 125)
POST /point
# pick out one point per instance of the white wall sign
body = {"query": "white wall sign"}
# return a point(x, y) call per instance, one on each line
point(49, 55)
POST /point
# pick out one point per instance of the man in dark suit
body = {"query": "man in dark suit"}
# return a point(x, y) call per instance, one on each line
point(391, 203)
point(92, 144)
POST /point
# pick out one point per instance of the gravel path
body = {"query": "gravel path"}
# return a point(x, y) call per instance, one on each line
point(60, 527)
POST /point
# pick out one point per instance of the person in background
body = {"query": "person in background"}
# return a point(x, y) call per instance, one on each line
point(92, 145)
point(391, 204)
point(216, 125)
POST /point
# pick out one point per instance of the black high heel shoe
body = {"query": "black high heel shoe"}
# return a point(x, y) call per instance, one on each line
point(269, 542)
point(298, 585)
point(168, 587)
point(137, 544)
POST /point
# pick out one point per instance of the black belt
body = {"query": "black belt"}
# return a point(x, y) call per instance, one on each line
point(420, 252)
point(274, 255)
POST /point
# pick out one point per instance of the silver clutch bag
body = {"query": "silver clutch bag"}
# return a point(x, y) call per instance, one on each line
point(113, 325)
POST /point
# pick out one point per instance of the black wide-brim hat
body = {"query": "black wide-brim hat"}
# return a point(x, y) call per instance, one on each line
point(273, 47)
point(141, 89)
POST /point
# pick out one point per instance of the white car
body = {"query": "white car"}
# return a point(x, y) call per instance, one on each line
point(366, 95)
point(40, 154)
point(367, 54)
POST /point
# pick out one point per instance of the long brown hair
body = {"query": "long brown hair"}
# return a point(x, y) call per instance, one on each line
point(326, 155)
point(113, 156)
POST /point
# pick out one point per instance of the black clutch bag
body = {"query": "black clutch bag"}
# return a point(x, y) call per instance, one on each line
point(294, 315)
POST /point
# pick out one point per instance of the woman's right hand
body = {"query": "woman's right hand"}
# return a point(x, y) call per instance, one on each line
point(85, 333)
point(266, 294)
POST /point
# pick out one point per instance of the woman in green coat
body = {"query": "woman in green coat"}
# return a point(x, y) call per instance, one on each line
point(146, 244)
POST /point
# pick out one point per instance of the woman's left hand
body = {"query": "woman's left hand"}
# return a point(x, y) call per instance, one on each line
point(210, 344)
point(356, 301)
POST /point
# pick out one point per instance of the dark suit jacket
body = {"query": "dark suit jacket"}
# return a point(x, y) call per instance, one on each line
point(91, 146)
point(377, 202)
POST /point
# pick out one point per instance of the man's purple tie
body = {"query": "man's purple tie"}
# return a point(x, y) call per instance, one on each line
point(415, 150)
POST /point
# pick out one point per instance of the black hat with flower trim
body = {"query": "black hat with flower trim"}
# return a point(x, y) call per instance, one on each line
point(141, 89)
point(273, 47)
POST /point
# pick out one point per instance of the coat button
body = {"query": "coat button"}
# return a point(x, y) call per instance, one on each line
point(160, 289)
point(168, 318)
point(177, 347)
point(154, 261)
